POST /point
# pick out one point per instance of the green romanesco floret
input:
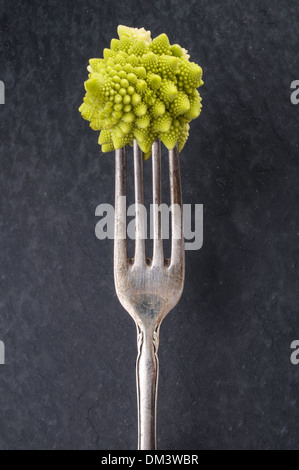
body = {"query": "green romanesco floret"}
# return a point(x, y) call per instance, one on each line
point(142, 89)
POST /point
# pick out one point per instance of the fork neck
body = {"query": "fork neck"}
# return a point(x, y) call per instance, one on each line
point(147, 371)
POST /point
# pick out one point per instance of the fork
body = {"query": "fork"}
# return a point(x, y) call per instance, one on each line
point(148, 288)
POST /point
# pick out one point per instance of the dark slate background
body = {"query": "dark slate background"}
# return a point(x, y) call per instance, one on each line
point(226, 379)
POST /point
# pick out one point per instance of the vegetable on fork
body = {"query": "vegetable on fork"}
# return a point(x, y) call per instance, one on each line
point(142, 89)
point(141, 93)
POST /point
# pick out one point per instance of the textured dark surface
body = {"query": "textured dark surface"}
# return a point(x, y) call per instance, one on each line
point(226, 379)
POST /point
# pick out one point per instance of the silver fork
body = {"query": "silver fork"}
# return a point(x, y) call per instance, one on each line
point(148, 288)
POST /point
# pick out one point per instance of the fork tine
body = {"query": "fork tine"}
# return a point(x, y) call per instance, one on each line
point(177, 236)
point(139, 206)
point(120, 229)
point(158, 256)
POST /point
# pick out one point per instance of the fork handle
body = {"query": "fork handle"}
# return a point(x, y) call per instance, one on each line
point(147, 372)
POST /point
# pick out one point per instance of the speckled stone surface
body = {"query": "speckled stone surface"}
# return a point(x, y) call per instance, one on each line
point(226, 380)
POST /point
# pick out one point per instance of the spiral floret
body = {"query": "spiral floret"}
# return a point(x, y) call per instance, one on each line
point(142, 89)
